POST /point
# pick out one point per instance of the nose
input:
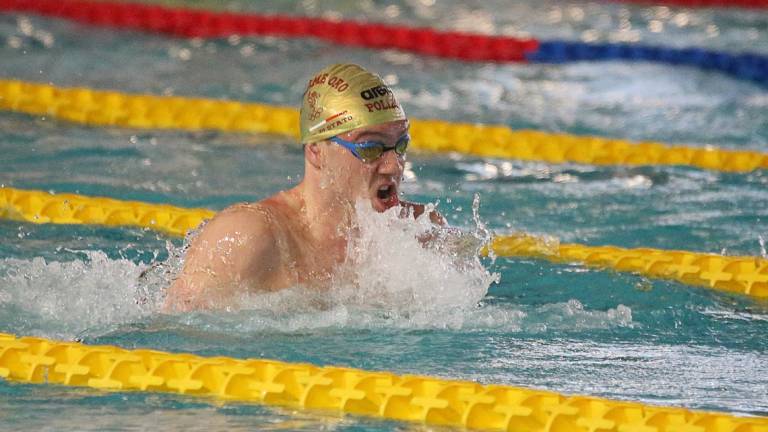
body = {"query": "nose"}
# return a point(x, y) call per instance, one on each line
point(391, 163)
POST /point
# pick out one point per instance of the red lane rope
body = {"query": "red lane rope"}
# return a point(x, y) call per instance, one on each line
point(747, 4)
point(200, 23)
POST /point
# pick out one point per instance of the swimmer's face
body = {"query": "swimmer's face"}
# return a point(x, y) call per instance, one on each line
point(379, 180)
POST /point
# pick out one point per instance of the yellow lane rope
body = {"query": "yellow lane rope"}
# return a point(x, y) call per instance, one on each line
point(97, 107)
point(42, 207)
point(411, 398)
point(743, 275)
point(738, 274)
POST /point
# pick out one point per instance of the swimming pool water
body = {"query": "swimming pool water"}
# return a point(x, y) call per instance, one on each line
point(559, 327)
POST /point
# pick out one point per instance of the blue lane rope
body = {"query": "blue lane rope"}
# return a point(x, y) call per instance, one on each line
point(745, 66)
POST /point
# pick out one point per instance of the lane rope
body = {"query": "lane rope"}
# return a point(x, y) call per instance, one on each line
point(42, 207)
point(743, 275)
point(745, 66)
point(410, 398)
point(746, 275)
point(110, 108)
point(198, 23)
point(747, 4)
point(183, 22)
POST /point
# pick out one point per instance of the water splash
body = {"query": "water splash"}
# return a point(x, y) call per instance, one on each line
point(153, 281)
point(399, 273)
point(405, 274)
point(62, 299)
point(481, 232)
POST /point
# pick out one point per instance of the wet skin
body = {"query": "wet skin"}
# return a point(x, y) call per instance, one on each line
point(295, 237)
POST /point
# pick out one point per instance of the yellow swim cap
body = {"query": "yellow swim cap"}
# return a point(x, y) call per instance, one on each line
point(343, 97)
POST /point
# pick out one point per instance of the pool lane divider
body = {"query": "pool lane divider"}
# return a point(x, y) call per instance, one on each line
point(747, 4)
point(199, 23)
point(745, 66)
point(746, 275)
point(41, 207)
point(342, 390)
point(736, 274)
point(111, 108)
point(182, 22)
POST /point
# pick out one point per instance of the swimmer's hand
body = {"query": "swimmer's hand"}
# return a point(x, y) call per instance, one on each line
point(409, 209)
point(452, 241)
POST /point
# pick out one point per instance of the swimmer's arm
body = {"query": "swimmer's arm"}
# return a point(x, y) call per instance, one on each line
point(234, 250)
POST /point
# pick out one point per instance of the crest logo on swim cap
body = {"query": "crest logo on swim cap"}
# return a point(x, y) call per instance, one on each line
point(314, 110)
point(343, 97)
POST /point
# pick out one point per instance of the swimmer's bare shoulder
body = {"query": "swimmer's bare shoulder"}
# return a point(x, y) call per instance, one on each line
point(233, 250)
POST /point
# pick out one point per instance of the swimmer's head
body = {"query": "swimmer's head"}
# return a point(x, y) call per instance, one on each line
point(344, 97)
point(355, 135)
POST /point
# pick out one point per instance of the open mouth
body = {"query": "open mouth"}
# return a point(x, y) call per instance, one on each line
point(386, 196)
point(385, 192)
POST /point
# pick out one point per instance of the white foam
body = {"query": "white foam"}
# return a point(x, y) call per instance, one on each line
point(393, 279)
point(398, 274)
point(62, 299)
point(397, 271)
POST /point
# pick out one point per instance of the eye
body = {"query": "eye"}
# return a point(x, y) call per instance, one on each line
point(402, 145)
point(371, 151)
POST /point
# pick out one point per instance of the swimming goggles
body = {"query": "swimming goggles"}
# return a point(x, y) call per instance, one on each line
point(369, 151)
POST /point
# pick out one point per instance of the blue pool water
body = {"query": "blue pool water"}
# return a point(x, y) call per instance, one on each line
point(559, 327)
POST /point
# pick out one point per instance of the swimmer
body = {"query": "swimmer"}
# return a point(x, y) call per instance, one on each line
point(355, 136)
